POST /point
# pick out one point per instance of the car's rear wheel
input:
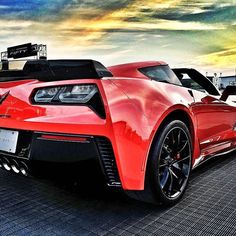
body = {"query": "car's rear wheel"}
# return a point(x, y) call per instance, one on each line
point(169, 165)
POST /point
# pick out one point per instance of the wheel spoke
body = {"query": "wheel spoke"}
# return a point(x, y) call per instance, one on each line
point(165, 178)
point(180, 172)
point(185, 170)
point(176, 180)
point(185, 144)
point(177, 171)
point(173, 174)
point(176, 166)
point(165, 149)
point(170, 188)
point(175, 141)
point(163, 165)
point(183, 159)
point(178, 138)
point(177, 186)
point(172, 138)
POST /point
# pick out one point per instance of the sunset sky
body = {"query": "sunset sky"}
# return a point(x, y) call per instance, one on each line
point(184, 33)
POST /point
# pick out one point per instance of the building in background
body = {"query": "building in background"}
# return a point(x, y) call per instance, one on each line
point(224, 81)
point(228, 80)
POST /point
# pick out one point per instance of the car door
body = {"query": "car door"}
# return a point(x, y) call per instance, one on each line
point(215, 122)
point(215, 118)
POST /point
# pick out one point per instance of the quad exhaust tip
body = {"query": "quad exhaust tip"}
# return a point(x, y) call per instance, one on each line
point(15, 167)
point(6, 164)
point(23, 168)
point(18, 167)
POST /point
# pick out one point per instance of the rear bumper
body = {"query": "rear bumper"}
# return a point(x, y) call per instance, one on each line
point(62, 148)
point(127, 129)
point(65, 148)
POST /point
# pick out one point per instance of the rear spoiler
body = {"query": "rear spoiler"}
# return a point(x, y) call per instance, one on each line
point(55, 70)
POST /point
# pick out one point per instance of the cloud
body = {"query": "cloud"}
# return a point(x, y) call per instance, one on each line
point(201, 30)
point(126, 17)
point(39, 10)
point(213, 15)
point(3, 7)
point(189, 11)
point(223, 59)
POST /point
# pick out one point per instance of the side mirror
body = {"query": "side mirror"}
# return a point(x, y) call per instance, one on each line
point(229, 90)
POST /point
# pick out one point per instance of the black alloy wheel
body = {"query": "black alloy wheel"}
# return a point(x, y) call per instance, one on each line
point(169, 165)
point(174, 162)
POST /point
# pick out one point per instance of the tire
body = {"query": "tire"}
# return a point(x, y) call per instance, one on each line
point(169, 166)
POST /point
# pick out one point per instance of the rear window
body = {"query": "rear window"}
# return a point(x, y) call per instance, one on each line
point(161, 74)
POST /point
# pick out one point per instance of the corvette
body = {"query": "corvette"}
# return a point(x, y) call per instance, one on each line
point(145, 124)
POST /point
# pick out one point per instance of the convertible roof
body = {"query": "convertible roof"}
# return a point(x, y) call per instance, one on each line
point(198, 78)
point(53, 70)
point(131, 69)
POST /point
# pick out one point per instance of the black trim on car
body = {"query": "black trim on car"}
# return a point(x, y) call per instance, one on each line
point(56, 70)
point(96, 103)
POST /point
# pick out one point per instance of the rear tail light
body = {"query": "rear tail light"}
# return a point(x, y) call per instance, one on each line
point(82, 94)
point(66, 94)
point(78, 93)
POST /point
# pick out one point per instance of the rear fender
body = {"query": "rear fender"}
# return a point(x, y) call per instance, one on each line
point(167, 116)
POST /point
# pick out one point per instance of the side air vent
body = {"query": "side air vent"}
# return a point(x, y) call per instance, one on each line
point(108, 161)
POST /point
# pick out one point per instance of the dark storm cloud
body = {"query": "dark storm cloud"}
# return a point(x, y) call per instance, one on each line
point(213, 13)
point(99, 4)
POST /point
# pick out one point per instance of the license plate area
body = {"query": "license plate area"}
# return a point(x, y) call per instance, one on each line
point(8, 140)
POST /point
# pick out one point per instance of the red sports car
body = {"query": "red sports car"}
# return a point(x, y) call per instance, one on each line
point(145, 124)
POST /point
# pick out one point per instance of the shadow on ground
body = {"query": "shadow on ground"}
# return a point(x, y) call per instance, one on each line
point(65, 204)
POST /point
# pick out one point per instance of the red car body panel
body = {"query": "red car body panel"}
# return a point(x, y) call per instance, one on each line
point(130, 70)
point(135, 108)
